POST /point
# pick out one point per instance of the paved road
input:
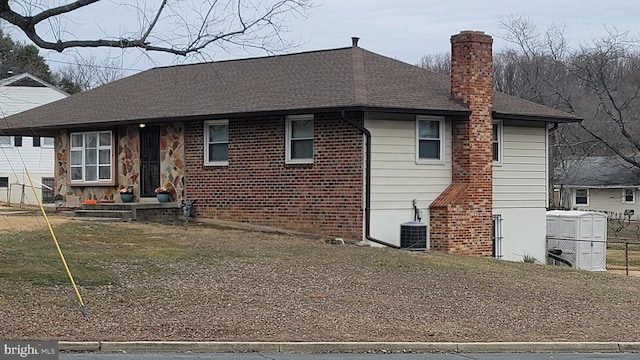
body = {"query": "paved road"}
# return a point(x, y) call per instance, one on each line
point(261, 356)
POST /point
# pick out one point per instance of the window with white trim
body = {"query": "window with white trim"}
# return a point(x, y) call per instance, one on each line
point(42, 142)
point(497, 142)
point(91, 157)
point(299, 131)
point(6, 141)
point(628, 196)
point(581, 197)
point(216, 139)
point(429, 139)
point(46, 142)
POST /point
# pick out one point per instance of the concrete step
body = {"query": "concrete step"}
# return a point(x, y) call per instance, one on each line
point(130, 206)
point(114, 214)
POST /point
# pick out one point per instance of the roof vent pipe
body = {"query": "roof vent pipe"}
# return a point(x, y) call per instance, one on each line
point(354, 41)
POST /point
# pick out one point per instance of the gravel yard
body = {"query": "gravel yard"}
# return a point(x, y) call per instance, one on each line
point(161, 282)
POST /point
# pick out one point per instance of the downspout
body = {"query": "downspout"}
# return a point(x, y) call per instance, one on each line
point(367, 209)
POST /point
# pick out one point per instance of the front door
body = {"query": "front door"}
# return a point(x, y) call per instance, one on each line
point(149, 160)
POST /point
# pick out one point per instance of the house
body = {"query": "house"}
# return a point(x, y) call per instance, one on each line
point(599, 183)
point(26, 151)
point(340, 142)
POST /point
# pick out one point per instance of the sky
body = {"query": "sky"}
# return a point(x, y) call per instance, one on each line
point(402, 29)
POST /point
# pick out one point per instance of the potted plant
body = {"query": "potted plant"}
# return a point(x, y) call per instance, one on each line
point(163, 194)
point(126, 193)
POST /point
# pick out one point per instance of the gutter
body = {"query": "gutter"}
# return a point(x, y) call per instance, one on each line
point(367, 211)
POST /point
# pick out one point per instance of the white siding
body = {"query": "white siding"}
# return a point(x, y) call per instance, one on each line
point(520, 192)
point(523, 233)
point(607, 200)
point(521, 180)
point(519, 183)
point(13, 160)
point(397, 179)
point(15, 99)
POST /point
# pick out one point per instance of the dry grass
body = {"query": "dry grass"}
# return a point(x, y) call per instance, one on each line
point(157, 282)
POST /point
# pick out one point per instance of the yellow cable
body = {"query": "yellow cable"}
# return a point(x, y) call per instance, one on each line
point(55, 241)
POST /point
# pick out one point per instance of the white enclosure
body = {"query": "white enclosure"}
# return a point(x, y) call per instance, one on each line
point(581, 236)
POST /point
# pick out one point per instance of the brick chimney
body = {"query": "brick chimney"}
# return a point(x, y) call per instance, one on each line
point(460, 217)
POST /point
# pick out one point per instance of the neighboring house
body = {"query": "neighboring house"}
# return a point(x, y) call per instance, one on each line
point(338, 142)
point(600, 183)
point(19, 93)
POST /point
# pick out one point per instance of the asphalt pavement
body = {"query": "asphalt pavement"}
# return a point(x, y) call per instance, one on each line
point(207, 350)
point(267, 356)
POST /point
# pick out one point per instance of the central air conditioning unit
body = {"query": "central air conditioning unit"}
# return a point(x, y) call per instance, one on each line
point(413, 236)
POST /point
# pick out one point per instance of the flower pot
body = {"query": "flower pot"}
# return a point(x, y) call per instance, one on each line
point(163, 198)
point(126, 197)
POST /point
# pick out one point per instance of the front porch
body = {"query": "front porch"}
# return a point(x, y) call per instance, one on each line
point(139, 211)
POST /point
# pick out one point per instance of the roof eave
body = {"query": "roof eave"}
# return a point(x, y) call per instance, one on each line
point(524, 117)
point(46, 130)
point(49, 130)
point(615, 186)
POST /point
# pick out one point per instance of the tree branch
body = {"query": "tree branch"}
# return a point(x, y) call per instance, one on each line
point(259, 30)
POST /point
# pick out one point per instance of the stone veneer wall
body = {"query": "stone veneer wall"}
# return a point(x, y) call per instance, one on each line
point(128, 140)
point(127, 165)
point(172, 159)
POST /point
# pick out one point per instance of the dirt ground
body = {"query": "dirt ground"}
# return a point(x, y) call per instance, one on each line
point(161, 282)
point(17, 219)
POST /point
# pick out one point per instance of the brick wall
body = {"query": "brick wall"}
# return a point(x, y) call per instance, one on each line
point(258, 187)
point(460, 217)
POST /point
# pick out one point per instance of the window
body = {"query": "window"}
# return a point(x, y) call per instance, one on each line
point(4, 182)
point(430, 139)
point(628, 196)
point(582, 197)
point(91, 157)
point(47, 190)
point(216, 137)
point(17, 141)
point(5, 140)
point(497, 237)
point(42, 141)
point(497, 143)
point(299, 135)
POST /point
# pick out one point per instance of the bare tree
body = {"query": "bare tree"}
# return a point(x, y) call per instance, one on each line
point(599, 82)
point(440, 63)
point(175, 27)
point(87, 73)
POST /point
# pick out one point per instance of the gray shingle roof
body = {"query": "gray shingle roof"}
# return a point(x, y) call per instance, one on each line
point(597, 171)
point(330, 79)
